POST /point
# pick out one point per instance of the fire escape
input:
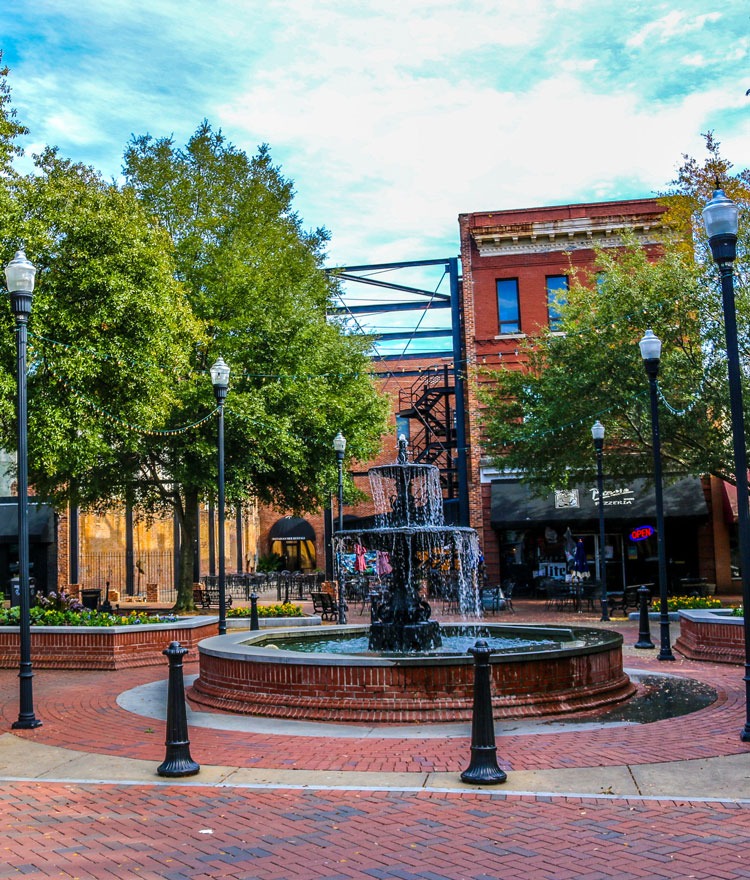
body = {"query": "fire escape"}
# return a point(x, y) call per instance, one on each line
point(429, 406)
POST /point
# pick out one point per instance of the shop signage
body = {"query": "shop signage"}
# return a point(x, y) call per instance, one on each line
point(566, 498)
point(614, 497)
point(640, 533)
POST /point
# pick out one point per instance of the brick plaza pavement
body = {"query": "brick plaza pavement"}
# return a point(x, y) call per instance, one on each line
point(329, 808)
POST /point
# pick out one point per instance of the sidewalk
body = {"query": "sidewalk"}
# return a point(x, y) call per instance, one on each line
point(82, 797)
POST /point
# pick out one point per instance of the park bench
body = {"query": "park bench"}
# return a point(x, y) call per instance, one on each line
point(324, 605)
point(205, 597)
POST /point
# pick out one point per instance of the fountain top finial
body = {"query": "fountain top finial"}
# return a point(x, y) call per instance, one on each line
point(402, 444)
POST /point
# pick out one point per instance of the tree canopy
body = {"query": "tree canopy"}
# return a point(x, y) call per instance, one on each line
point(139, 289)
point(255, 279)
point(538, 418)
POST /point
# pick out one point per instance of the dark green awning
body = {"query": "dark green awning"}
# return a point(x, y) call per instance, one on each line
point(515, 504)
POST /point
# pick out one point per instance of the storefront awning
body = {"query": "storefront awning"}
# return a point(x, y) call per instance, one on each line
point(515, 504)
point(291, 529)
point(41, 520)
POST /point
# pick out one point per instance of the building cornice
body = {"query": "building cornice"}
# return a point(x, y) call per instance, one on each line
point(569, 234)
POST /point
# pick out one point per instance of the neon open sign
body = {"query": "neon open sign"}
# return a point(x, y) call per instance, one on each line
point(641, 533)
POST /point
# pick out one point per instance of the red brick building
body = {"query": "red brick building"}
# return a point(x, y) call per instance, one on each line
point(515, 270)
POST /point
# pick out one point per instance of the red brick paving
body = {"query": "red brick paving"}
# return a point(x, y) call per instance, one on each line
point(115, 831)
point(155, 831)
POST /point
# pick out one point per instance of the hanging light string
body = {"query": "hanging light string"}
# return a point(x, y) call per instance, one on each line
point(137, 429)
point(695, 397)
point(280, 377)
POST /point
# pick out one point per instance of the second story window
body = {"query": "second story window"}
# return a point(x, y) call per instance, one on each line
point(509, 315)
point(557, 295)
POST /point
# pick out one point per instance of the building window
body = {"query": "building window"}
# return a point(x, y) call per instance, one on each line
point(509, 317)
point(557, 295)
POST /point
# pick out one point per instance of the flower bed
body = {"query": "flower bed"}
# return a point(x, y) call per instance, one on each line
point(109, 646)
point(714, 635)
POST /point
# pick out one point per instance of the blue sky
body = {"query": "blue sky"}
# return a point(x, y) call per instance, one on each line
point(394, 117)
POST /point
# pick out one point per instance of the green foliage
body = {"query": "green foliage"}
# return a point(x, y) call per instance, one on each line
point(270, 562)
point(254, 278)
point(284, 609)
point(538, 419)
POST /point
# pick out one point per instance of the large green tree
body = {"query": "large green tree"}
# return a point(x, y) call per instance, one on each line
point(538, 419)
point(254, 277)
point(110, 331)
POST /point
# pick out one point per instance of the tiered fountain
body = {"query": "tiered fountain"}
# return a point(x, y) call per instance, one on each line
point(399, 669)
point(410, 529)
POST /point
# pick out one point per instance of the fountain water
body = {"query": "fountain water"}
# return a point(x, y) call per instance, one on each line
point(423, 553)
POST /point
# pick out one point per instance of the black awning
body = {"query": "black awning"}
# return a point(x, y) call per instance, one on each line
point(41, 523)
point(292, 528)
point(515, 504)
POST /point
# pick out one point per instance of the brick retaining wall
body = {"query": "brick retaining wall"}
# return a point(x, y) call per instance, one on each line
point(708, 636)
point(105, 647)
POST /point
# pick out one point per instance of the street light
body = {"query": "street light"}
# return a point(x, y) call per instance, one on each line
point(339, 445)
point(19, 275)
point(650, 347)
point(720, 217)
point(597, 432)
point(220, 380)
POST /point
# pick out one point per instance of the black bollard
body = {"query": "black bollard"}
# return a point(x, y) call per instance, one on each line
point(177, 761)
point(483, 768)
point(644, 627)
point(254, 612)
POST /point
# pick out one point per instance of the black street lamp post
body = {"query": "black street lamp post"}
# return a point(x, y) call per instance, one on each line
point(339, 445)
point(650, 347)
point(721, 219)
point(597, 432)
point(220, 380)
point(19, 274)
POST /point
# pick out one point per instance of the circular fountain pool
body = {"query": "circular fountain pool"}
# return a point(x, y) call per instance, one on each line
point(556, 670)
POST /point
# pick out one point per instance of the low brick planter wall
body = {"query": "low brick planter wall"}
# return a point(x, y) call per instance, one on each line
point(273, 622)
point(105, 647)
point(715, 636)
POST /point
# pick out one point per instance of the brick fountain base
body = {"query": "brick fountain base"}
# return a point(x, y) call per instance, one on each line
point(256, 676)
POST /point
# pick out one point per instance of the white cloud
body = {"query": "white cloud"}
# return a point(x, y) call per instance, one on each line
point(392, 117)
point(673, 24)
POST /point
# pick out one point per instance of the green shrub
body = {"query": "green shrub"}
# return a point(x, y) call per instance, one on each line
point(738, 612)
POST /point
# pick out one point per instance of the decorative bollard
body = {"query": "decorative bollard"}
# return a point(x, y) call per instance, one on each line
point(177, 761)
point(254, 612)
point(644, 627)
point(483, 768)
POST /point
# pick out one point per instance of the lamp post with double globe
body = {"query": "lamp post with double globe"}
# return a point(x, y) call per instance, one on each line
point(720, 217)
point(20, 275)
point(220, 381)
point(650, 347)
point(597, 432)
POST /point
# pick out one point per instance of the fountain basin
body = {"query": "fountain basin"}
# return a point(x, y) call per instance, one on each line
point(257, 676)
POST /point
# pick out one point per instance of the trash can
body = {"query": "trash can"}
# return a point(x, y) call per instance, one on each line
point(15, 591)
point(91, 598)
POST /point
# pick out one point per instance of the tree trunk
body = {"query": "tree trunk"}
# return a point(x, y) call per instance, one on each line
point(187, 516)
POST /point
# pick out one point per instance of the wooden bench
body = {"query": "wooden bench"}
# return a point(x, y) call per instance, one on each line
point(324, 605)
point(206, 598)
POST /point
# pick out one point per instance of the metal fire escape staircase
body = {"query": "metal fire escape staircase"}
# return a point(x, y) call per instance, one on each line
point(429, 405)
